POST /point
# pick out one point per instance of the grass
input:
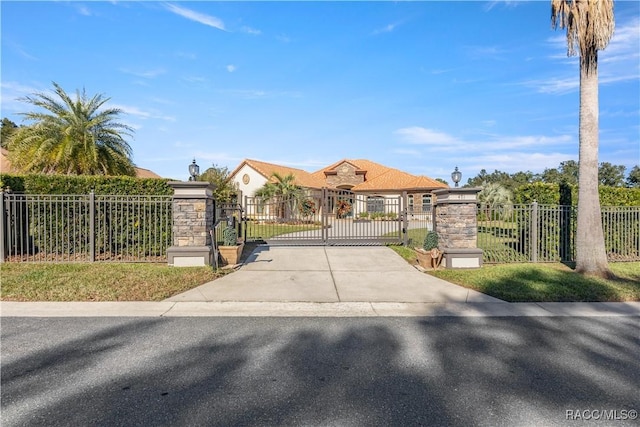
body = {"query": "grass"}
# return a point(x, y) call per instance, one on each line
point(98, 281)
point(266, 231)
point(524, 282)
point(548, 282)
point(155, 282)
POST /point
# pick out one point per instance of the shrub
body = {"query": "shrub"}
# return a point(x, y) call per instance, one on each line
point(430, 241)
point(230, 236)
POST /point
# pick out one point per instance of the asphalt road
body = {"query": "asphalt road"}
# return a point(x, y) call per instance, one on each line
point(523, 371)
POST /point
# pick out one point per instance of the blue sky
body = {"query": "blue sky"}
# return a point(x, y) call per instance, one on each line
point(419, 86)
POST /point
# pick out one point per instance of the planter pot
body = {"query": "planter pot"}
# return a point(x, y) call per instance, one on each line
point(231, 254)
point(428, 259)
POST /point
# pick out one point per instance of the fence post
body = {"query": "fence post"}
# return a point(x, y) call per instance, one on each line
point(533, 233)
point(404, 211)
point(193, 213)
point(2, 228)
point(456, 222)
point(325, 216)
point(92, 226)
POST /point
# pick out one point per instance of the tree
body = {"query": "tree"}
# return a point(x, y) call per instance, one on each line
point(284, 191)
point(508, 181)
point(442, 181)
point(495, 200)
point(567, 173)
point(225, 190)
point(8, 129)
point(589, 25)
point(633, 180)
point(71, 137)
point(611, 175)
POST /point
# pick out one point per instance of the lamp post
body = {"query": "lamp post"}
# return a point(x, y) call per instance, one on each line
point(194, 170)
point(456, 176)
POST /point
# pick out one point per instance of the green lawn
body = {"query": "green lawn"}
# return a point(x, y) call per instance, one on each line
point(541, 282)
point(98, 281)
point(259, 231)
point(155, 282)
point(548, 282)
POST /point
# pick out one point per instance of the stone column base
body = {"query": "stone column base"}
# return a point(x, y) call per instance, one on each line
point(190, 256)
point(462, 258)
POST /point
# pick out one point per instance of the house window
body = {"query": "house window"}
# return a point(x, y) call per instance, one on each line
point(375, 204)
point(426, 203)
point(410, 201)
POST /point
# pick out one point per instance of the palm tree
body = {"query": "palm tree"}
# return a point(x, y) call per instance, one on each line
point(495, 199)
point(71, 137)
point(284, 191)
point(589, 25)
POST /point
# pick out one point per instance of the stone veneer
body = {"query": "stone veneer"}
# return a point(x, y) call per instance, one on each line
point(345, 175)
point(193, 217)
point(457, 227)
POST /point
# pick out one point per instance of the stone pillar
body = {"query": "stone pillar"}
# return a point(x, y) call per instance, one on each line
point(193, 217)
point(457, 226)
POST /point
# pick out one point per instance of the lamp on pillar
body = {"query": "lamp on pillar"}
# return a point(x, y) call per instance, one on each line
point(194, 170)
point(456, 176)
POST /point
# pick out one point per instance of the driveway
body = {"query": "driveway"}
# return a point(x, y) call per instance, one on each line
point(330, 274)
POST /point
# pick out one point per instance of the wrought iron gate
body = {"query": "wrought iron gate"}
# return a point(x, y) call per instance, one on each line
point(326, 217)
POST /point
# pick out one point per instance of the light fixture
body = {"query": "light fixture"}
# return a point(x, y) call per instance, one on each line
point(194, 170)
point(456, 176)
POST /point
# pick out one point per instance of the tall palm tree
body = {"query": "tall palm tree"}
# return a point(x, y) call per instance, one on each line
point(71, 137)
point(589, 25)
point(284, 191)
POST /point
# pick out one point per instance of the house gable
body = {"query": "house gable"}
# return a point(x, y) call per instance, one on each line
point(344, 175)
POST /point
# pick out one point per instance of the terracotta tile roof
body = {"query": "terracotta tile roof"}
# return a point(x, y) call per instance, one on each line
point(145, 173)
point(7, 167)
point(382, 178)
point(302, 177)
point(5, 164)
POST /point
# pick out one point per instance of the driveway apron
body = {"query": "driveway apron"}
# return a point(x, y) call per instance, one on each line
point(326, 274)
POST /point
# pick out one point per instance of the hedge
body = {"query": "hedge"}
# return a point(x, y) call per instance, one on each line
point(55, 228)
point(84, 184)
point(554, 194)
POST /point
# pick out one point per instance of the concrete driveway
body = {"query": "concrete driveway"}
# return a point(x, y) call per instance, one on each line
point(328, 274)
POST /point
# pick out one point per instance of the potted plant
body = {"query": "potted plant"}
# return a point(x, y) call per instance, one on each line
point(429, 256)
point(231, 248)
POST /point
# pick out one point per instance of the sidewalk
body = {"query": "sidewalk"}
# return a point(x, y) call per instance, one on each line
point(278, 281)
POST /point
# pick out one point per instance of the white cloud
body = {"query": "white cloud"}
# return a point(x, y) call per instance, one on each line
point(386, 29)
point(148, 74)
point(192, 15)
point(506, 153)
point(251, 31)
point(423, 136)
point(260, 94)
point(11, 93)
point(231, 68)
point(618, 62)
point(137, 112)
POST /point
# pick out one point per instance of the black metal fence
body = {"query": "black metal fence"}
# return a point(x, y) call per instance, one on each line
point(546, 233)
point(84, 228)
point(87, 228)
point(326, 217)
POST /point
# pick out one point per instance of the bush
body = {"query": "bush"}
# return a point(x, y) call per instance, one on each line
point(230, 236)
point(60, 224)
point(63, 184)
point(565, 194)
point(430, 241)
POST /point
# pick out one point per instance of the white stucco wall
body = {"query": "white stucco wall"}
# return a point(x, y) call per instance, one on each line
point(256, 181)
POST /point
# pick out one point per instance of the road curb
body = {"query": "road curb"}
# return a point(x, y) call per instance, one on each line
point(314, 309)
